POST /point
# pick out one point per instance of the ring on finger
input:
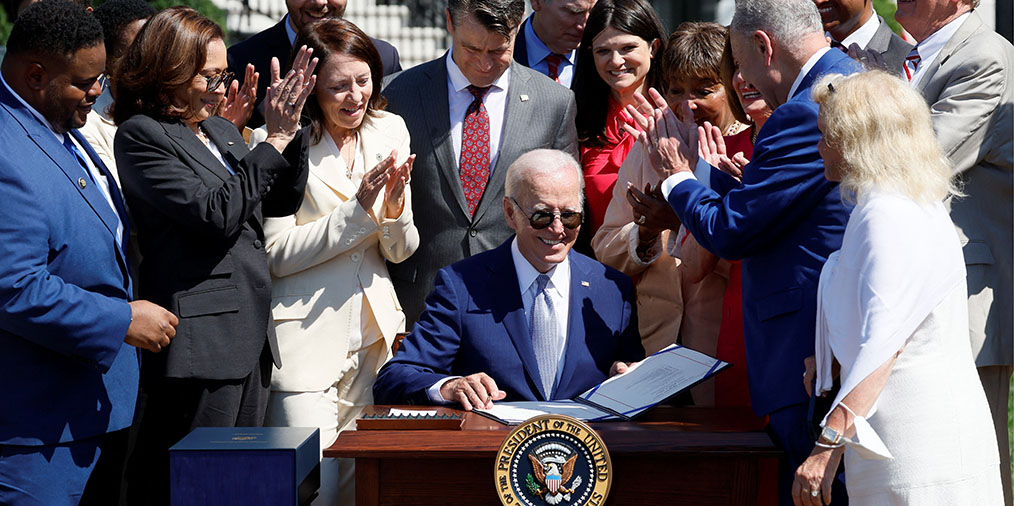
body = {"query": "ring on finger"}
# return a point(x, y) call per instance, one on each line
point(641, 220)
point(815, 493)
point(292, 104)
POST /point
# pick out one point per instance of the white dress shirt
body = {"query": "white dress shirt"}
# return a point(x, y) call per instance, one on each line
point(931, 46)
point(558, 290)
point(97, 175)
point(537, 52)
point(862, 35)
point(458, 100)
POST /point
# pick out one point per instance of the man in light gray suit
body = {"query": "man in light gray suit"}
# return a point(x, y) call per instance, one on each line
point(854, 22)
point(963, 69)
point(470, 113)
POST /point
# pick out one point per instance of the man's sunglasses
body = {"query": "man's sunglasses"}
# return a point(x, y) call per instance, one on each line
point(217, 80)
point(542, 219)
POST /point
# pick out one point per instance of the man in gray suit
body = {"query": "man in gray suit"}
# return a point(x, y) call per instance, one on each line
point(470, 113)
point(963, 69)
point(854, 22)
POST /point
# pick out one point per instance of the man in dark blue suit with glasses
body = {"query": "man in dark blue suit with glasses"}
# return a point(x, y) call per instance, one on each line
point(529, 320)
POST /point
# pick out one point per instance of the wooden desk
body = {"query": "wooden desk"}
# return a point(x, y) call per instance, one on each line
point(693, 456)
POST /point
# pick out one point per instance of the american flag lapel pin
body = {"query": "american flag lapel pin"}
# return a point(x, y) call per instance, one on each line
point(524, 98)
point(585, 283)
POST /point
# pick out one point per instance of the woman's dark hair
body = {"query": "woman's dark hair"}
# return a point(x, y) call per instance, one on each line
point(338, 36)
point(727, 69)
point(167, 54)
point(635, 17)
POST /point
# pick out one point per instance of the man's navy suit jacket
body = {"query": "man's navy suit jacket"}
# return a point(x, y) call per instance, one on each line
point(474, 321)
point(65, 372)
point(783, 221)
point(274, 42)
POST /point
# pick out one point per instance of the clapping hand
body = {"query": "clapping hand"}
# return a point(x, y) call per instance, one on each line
point(285, 98)
point(239, 101)
point(713, 151)
point(651, 211)
point(375, 180)
point(672, 142)
point(394, 190)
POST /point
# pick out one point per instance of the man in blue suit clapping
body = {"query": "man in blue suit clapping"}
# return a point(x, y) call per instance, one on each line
point(529, 320)
point(782, 220)
point(68, 366)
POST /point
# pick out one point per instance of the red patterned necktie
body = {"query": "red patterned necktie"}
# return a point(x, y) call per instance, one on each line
point(475, 149)
point(912, 63)
point(553, 62)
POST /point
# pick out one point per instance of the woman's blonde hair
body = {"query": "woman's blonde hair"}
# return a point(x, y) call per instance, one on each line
point(881, 127)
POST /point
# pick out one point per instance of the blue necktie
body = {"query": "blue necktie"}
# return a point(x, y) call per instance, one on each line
point(77, 155)
point(545, 340)
point(117, 204)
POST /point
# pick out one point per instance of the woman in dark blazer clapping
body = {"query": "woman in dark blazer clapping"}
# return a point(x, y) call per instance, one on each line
point(198, 197)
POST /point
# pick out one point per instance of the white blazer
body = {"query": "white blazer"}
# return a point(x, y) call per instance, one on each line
point(329, 255)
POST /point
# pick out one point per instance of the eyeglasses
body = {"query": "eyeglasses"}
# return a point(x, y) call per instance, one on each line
point(217, 80)
point(542, 219)
point(103, 81)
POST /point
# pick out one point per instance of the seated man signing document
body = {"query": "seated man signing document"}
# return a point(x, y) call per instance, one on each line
point(527, 321)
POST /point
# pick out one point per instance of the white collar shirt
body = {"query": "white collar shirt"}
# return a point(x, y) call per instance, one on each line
point(96, 175)
point(864, 34)
point(537, 53)
point(458, 100)
point(806, 70)
point(931, 46)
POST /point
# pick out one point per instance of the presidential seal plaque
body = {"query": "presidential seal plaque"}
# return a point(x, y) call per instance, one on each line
point(554, 460)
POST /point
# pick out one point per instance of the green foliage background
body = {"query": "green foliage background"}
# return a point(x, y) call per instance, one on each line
point(886, 10)
point(205, 7)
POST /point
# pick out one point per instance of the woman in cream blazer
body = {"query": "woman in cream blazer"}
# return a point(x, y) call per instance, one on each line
point(335, 310)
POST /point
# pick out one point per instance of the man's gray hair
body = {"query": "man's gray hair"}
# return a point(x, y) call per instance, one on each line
point(783, 20)
point(500, 16)
point(540, 161)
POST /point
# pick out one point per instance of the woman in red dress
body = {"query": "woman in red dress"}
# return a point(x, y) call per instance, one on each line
point(620, 40)
point(747, 105)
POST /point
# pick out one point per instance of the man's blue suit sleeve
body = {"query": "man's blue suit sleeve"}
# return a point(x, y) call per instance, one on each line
point(781, 185)
point(40, 306)
point(427, 354)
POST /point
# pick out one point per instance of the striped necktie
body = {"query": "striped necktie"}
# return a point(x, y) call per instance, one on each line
point(553, 62)
point(545, 340)
point(912, 63)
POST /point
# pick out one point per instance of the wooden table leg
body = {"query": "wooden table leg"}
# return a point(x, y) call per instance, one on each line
point(367, 482)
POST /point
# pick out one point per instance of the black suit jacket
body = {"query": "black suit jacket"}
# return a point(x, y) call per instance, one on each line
point(201, 239)
point(274, 42)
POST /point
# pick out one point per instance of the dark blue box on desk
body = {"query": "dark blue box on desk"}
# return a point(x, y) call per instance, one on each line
point(269, 466)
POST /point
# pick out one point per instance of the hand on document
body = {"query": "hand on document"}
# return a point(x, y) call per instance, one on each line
point(476, 390)
point(619, 368)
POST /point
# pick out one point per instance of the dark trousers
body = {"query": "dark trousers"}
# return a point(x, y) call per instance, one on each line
point(175, 407)
point(790, 429)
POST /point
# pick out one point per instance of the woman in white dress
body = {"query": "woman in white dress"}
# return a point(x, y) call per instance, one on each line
point(335, 309)
point(911, 418)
